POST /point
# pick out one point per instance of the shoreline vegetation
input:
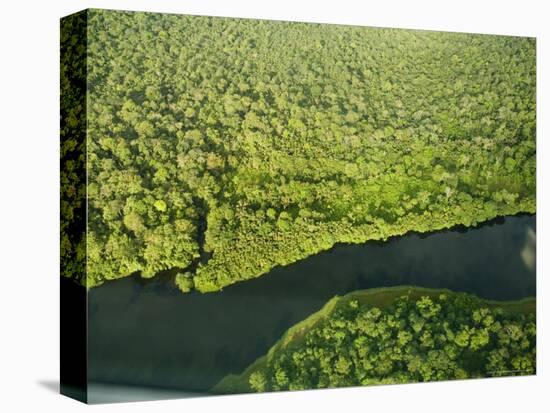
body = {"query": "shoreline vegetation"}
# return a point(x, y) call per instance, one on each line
point(396, 335)
point(226, 147)
point(182, 278)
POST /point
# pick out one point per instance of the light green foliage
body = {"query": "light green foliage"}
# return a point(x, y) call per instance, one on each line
point(184, 282)
point(281, 139)
point(257, 381)
point(160, 205)
point(378, 342)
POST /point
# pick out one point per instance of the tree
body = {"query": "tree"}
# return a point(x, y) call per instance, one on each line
point(160, 205)
point(257, 381)
point(184, 281)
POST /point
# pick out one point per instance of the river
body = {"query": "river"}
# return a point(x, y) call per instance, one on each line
point(147, 333)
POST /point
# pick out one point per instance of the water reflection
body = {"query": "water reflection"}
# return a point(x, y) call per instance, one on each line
point(528, 252)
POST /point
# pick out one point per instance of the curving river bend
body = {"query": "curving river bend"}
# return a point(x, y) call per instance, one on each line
point(147, 333)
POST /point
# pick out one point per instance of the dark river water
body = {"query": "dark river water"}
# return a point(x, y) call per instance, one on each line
point(147, 333)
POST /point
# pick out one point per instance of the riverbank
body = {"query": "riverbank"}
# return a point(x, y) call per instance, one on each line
point(201, 338)
point(379, 298)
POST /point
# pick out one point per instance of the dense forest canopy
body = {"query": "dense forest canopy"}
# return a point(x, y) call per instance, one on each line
point(397, 335)
point(224, 147)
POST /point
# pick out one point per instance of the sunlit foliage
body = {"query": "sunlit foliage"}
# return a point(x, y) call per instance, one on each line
point(245, 144)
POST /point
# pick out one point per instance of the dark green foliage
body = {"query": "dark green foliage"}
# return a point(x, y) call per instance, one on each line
point(412, 338)
point(253, 143)
point(73, 146)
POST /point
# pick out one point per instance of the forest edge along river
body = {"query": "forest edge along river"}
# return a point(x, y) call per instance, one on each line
point(146, 332)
